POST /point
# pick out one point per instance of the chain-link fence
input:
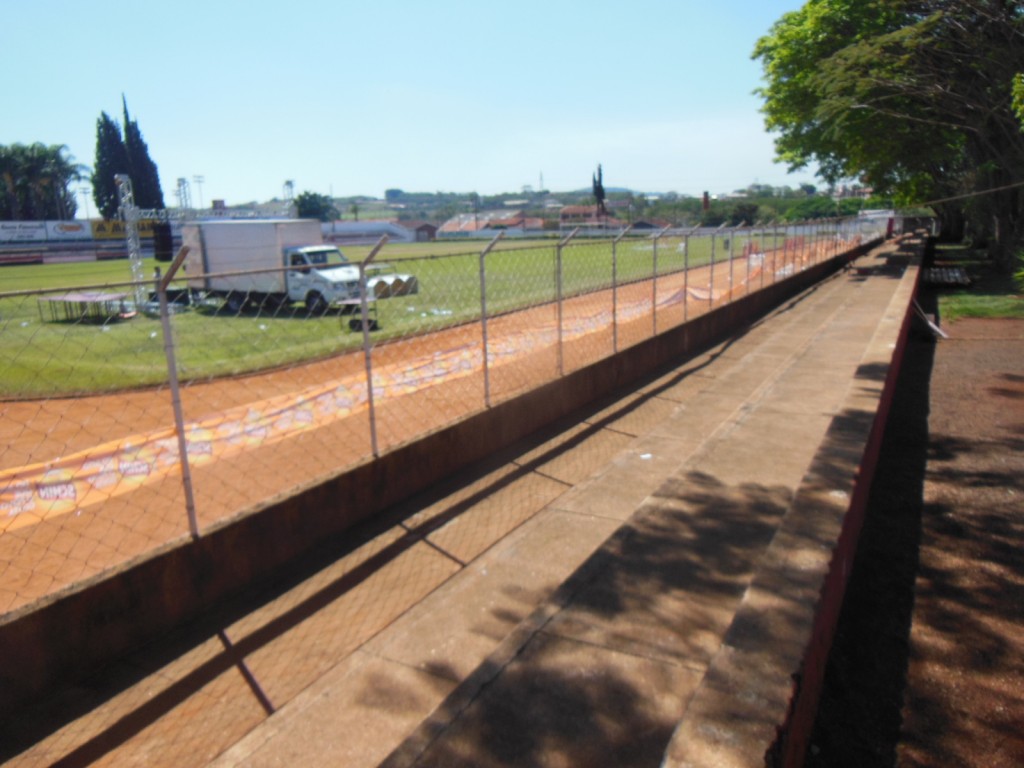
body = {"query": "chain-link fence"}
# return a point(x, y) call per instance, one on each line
point(128, 426)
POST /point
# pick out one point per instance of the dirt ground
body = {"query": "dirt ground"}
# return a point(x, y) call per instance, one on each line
point(928, 664)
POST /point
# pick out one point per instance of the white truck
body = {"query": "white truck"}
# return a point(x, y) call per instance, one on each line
point(269, 263)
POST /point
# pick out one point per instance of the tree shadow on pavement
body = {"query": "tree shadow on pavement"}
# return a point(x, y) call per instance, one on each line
point(603, 673)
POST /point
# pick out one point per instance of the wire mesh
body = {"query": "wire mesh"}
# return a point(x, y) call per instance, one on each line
point(270, 394)
point(273, 397)
point(585, 312)
point(78, 489)
point(426, 349)
point(523, 346)
point(635, 289)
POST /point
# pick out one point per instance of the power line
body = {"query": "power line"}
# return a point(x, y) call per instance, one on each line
point(965, 196)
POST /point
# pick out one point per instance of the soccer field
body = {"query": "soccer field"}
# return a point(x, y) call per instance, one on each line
point(42, 358)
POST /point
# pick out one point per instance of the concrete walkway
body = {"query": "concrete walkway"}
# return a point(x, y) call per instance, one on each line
point(630, 587)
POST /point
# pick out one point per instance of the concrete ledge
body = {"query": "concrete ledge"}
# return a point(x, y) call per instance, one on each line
point(758, 700)
point(68, 635)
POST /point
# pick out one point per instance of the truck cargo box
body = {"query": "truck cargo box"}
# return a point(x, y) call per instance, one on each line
point(245, 245)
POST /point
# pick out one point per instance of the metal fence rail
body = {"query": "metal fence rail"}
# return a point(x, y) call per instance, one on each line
point(128, 426)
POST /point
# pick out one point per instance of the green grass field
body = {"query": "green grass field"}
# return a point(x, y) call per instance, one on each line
point(993, 293)
point(41, 358)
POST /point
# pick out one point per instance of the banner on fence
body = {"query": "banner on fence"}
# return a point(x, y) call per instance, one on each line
point(22, 231)
point(68, 230)
point(115, 230)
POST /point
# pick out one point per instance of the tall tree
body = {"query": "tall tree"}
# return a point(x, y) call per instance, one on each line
point(145, 177)
point(111, 159)
point(35, 182)
point(598, 187)
point(313, 205)
point(912, 96)
point(8, 173)
point(126, 154)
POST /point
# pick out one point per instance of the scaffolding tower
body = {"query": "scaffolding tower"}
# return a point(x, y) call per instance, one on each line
point(132, 215)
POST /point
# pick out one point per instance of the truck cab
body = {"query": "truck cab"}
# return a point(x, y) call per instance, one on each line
point(320, 276)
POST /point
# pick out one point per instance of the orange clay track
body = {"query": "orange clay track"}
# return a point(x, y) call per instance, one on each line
point(45, 551)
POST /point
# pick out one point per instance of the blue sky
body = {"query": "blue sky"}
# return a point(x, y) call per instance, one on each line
point(455, 96)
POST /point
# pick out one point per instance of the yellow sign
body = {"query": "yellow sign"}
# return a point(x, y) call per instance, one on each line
point(115, 230)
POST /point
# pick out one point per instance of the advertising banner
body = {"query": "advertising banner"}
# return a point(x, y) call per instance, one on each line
point(22, 231)
point(68, 230)
point(114, 230)
point(74, 229)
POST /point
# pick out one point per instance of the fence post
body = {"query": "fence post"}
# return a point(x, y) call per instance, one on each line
point(615, 289)
point(172, 381)
point(654, 282)
point(558, 296)
point(483, 316)
point(788, 247)
point(686, 273)
point(364, 310)
point(775, 262)
point(798, 245)
point(711, 286)
point(729, 251)
point(711, 279)
point(748, 250)
point(764, 250)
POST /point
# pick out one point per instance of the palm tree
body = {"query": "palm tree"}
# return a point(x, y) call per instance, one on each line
point(8, 174)
point(60, 172)
point(36, 182)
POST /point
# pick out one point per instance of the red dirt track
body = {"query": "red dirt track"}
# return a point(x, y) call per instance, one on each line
point(53, 552)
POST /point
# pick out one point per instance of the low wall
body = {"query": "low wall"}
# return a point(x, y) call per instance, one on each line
point(758, 701)
point(793, 738)
point(65, 637)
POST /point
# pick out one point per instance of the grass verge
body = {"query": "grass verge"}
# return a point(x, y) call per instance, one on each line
point(993, 292)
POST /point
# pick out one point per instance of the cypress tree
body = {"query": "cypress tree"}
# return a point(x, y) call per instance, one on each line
point(111, 159)
point(128, 154)
point(145, 177)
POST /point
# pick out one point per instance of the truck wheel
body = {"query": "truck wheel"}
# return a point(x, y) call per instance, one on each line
point(234, 303)
point(316, 304)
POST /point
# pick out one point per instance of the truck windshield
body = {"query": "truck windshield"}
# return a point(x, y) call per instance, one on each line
point(325, 257)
